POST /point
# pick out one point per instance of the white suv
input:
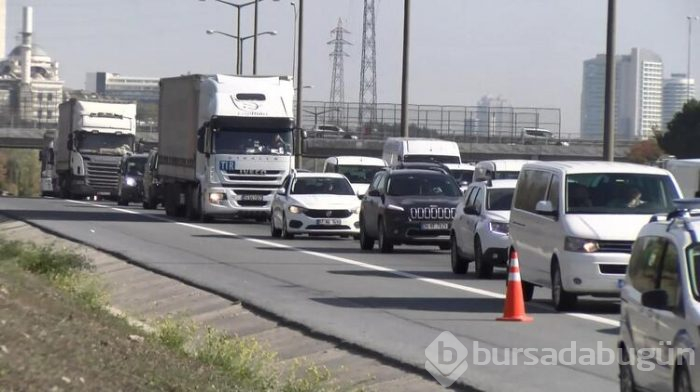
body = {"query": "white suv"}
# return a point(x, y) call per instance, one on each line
point(660, 311)
point(315, 203)
point(480, 227)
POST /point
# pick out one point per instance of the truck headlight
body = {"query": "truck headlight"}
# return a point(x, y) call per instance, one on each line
point(573, 244)
point(498, 227)
point(130, 181)
point(296, 209)
point(217, 198)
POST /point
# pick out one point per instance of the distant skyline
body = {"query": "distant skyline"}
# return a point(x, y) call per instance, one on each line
point(530, 53)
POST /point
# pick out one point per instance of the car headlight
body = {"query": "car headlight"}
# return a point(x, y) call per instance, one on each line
point(296, 209)
point(573, 244)
point(217, 197)
point(394, 207)
point(355, 210)
point(130, 181)
point(498, 227)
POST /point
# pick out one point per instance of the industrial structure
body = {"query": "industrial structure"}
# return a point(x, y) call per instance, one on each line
point(368, 69)
point(338, 78)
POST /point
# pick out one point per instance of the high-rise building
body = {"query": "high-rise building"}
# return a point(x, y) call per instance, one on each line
point(494, 116)
point(677, 89)
point(638, 88)
point(128, 88)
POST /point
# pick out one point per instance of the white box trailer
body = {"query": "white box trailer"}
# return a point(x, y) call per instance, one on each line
point(687, 174)
point(225, 143)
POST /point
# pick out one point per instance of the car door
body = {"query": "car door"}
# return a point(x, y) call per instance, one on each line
point(475, 203)
point(370, 205)
point(460, 222)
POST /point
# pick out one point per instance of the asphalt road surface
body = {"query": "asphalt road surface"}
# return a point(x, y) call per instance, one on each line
point(392, 304)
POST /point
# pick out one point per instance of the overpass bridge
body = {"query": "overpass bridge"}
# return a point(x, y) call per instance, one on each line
point(321, 147)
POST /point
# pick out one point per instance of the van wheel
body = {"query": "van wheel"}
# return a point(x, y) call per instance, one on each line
point(482, 267)
point(681, 380)
point(562, 299)
point(459, 264)
point(626, 376)
point(385, 244)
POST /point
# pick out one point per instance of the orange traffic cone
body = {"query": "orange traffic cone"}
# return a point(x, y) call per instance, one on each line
point(514, 309)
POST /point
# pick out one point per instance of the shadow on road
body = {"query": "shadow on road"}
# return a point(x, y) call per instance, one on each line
point(102, 216)
point(430, 304)
point(443, 275)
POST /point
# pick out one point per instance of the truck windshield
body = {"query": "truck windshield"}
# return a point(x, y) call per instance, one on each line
point(619, 193)
point(431, 158)
point(359, 174)
point(104, 143)
point(253, 141)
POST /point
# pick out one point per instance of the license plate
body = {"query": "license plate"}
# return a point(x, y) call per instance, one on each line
point(329, 222)
point(252, 197)
point(103, 193)
point(435, 226)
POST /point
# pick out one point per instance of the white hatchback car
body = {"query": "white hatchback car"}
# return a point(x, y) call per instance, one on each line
point(315, 203)
point(480, 227)
point(660, 307)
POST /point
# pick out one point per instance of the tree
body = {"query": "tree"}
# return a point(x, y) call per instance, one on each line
point(644, 152)
point(683, 136)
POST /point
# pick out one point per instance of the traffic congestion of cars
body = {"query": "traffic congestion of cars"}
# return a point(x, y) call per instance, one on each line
point(603, 229)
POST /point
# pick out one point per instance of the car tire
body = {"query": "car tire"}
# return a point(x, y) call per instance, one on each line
point(444, 246)
point(459, 264)
point(385, 244)
point(528, 291)
point(681, 380)
point(562, 299)
point(122, 202)
point(274, 232)
point(626, 376)
point(285, 233)
point(482, 267)
point(366, 242)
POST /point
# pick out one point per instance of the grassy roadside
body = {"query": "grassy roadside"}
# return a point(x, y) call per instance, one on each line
point(55, 335)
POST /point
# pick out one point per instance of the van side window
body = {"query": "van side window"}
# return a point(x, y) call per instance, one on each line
point(531, 188)
point(645, 261)
point(668, 278)
point(553, 193)
point(479, 200)
point(472, 196)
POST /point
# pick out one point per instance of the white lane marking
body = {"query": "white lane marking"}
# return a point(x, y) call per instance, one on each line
point(437, 282)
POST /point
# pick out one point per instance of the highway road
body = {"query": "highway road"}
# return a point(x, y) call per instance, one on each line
point(392, 304)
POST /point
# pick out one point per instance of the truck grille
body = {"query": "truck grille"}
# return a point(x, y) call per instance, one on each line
point(102, 175)
point(253, 175)
point(432, 213)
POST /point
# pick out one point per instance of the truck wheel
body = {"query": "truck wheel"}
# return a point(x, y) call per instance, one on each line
point(170, 200)
point(204, 218)
point(65, 187)
point(191, 203)
point(562, 299)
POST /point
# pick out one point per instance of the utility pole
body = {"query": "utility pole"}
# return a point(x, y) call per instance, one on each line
point(300, 84)
point(404, 69)
point(368, 68)
point(338, 78)
point(609, 119)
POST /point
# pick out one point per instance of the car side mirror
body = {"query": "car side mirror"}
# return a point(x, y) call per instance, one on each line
point(281, 191)
point(373, 192)
point(655, 299)
point(545, 207)
point(470, 210)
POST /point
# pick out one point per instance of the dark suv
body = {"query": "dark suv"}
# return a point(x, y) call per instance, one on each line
point(152, 188)
point(408, 206)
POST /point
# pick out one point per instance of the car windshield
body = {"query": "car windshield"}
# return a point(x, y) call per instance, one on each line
point(506, 175)
point(431, 158)
point(619, 193)
point(321, 186)
point(429, 185)
point(694, 268)
point(135, 166)
point(253, 141)
point(462, 175)
point(358, 174)
point(104, 143)
point(499, 199)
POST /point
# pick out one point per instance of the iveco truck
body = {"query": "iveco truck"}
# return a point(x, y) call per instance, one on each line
point(93, 136)
point(225, 144)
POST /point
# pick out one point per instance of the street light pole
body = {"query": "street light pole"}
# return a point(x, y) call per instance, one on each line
point(609, 126)
point(238, 42)
point(404, 71)
point(294, 42)
point(690, 32)
point(255, 40)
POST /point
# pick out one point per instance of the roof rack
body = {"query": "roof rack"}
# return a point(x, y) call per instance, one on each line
point(684, 210)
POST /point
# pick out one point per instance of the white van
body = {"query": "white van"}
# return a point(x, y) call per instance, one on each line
point(573, 223)
point(397, 150)
point(359, 170)
point(498, 169)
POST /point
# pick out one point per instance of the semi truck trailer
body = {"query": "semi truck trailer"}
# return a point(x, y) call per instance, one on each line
point(93, 136)
point(225, 144)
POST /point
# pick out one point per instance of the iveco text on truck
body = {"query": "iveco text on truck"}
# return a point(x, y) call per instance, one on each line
point(93, 136)
point(225, 144)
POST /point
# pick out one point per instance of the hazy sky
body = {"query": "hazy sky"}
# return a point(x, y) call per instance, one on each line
point(530, 52)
